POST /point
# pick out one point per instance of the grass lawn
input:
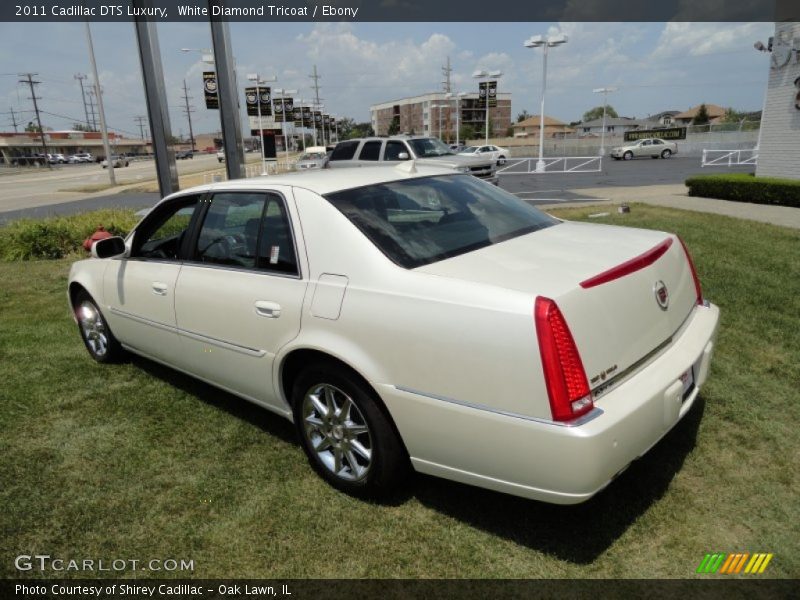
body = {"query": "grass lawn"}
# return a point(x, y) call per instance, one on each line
point(136, 461)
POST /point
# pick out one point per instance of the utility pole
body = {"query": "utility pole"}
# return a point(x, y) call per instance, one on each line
point(92, 112)
point(80, 77)
point(13, 119)
point(317, 104)
point(189, 111)
point(446, 70)
point(140, 121)
point(33, 97)
point(103, 131)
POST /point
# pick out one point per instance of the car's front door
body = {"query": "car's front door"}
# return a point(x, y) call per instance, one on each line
point(240, 293)
point(140, 290)
point(644, 148)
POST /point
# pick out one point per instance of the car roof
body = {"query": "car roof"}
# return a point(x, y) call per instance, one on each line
point(327, 181)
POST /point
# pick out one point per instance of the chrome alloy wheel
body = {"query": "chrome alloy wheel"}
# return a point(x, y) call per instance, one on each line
point(337, 432)
point(93, 328)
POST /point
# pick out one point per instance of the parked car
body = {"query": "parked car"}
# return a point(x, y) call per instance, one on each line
point(81, 157)
point(184, 154)
point(418, 318)
point(652, 147)
point(311, 160)
point(496, 153)
point(220, 155)
point(118, 161)
point(370, 152)
point(56, 159)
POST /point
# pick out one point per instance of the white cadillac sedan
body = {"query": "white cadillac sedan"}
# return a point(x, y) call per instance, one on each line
point(413, 317)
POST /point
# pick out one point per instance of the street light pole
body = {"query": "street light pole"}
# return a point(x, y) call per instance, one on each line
point(545, 42)
point(604, 91)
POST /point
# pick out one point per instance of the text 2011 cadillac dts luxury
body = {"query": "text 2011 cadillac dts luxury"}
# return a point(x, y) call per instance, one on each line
point(410, 317)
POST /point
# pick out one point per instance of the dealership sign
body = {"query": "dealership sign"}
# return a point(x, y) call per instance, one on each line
point(210, 89)
point(672, 133)
point(487, 88)
point(252, 97)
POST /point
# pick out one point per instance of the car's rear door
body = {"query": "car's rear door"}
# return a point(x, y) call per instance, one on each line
point(240, 293)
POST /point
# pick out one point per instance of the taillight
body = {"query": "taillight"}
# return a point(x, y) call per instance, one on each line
point(564, 375)
point(698, 291)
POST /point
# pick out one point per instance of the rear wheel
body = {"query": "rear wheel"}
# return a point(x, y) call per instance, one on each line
point(95, 333)
point(628, 155)
point(666, 154)
point(347, 438)
point(501, 160)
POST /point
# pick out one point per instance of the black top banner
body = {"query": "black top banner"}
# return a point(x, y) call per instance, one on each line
point(210, 89)
point(487, 88)
point(405, 11)
point(668, 133)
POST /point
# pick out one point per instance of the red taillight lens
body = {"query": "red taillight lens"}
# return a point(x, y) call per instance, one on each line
point(697, 289)
point(565, 378)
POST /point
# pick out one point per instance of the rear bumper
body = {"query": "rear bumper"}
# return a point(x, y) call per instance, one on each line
point(545, 461)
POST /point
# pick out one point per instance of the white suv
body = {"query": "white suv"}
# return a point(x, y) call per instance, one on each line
point(374, 151)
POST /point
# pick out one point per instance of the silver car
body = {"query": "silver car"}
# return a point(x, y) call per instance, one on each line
point(311, 160)
point(652, 147)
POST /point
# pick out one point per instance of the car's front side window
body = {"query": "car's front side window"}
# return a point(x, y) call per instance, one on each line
point(230, 230)
point(161, 234)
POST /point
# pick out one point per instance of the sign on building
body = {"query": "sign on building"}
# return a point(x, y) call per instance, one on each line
point(673, 133)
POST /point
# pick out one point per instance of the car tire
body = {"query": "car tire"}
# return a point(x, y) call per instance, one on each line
point(666, 153)
point(357, 450)
point(501, 160)
point(95, 332)
point(628, 155)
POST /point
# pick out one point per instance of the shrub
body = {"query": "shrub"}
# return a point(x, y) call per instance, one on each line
point(56, 237)
point(744, 187)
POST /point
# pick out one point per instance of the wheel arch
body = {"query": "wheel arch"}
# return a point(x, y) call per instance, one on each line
point(292, 364)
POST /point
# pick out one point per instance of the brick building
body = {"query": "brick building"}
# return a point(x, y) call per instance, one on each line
point(422, 115)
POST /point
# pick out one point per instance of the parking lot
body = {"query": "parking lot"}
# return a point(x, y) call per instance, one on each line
point(35, 193)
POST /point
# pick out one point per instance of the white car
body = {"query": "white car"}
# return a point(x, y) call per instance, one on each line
point(413, 317)
point(652, 147)
point(119, 161)
point(496, 153)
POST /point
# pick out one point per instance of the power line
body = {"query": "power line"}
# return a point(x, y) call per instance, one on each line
point(13, 119)
point(33, 97)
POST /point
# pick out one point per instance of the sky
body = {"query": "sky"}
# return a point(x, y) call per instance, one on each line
point(654, 66)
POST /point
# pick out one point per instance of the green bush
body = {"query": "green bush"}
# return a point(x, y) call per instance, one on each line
point(745, 187)
point(56, 237)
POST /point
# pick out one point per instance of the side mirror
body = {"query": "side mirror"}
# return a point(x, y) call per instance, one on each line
point(109, 247)
point(403, 156)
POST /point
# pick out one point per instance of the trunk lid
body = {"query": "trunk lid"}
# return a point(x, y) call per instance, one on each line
point(615, 323)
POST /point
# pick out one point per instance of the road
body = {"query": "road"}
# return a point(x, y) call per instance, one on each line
point(36, 192)
point(550, 187)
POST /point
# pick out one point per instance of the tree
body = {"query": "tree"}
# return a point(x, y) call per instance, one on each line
point(523, 115)
point(732, 116)
point(597, 113)
point(345, 125)
point(466, 132)
point(701, 118)
point(31, 127)
point(81, 127)
point(394, 127)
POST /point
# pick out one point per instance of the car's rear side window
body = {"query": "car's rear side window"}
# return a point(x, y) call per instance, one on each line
point(424, 220)
point(370, 151)
point(344, 150)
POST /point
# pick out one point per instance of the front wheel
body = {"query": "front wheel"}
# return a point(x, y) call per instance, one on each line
point(345, 434)
point(501, 160)
point(95, 333)
point(666, 154)
point(628, 155)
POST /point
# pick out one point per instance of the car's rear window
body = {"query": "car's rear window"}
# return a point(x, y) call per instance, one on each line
point(420, 221)
point(344, 150)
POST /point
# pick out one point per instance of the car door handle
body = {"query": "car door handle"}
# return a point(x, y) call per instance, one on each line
point(159, 288)
point(271, 310)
